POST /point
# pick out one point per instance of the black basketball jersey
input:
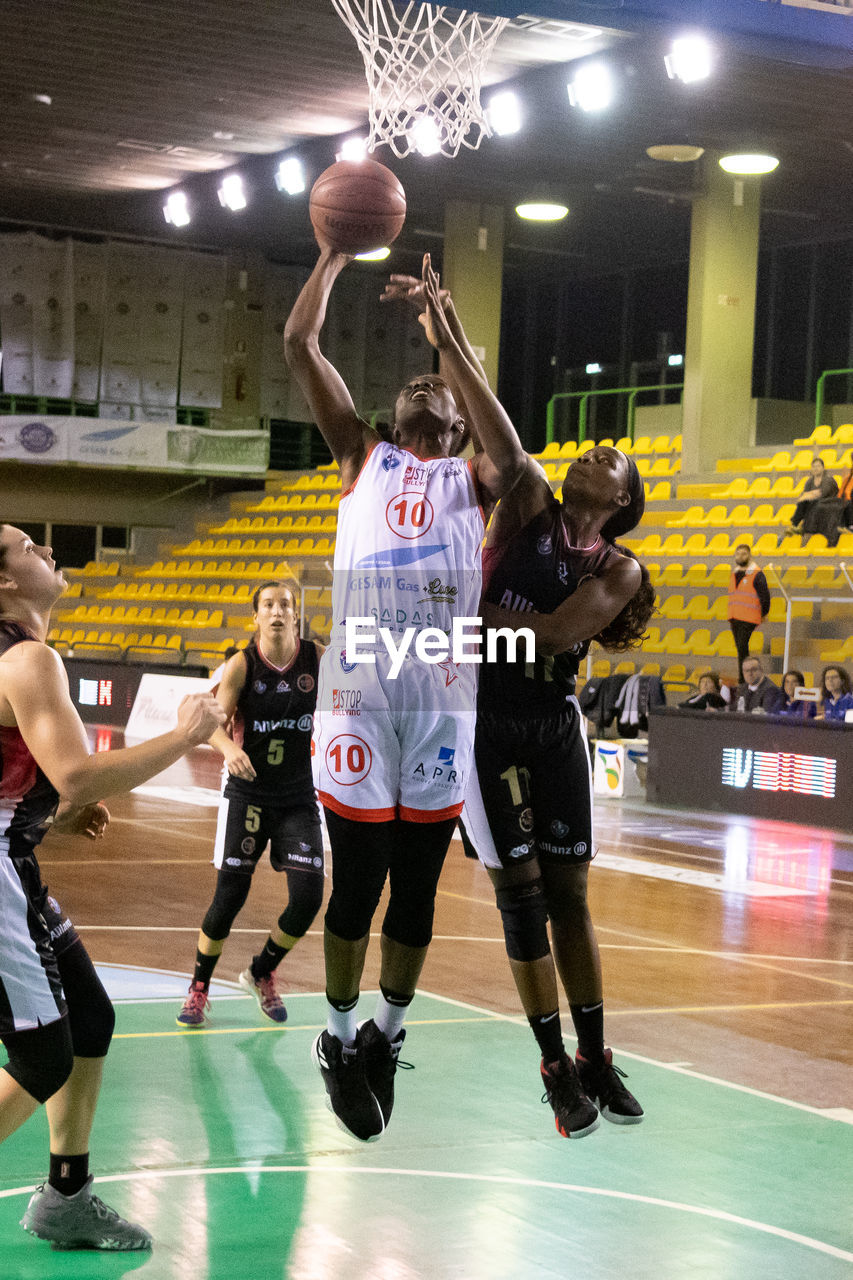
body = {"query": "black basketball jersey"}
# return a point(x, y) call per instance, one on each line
point(537, 570)
point(273, 722)
point(27, 799)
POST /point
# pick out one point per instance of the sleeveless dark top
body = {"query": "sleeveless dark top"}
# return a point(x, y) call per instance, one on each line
point(273, 723)
point(536, 570)
point(28, 800)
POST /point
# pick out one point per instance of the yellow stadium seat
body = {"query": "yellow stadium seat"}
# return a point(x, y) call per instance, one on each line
point(783, 487)
point(719, 575)
point(781, 461)
point(600, 668)
point(760, 487)
point(673, 545)
point(695, 545)
point(661, 444)
point(676, 443)
point(822, 577)
point(569, 449)
point(661, 491)
point(820, 435)
point(672, 574)
point(674, 640)
point(724, 645)
point(843, 434)
point(676, 671)
point(650, 669)
point(719, 545)
point(626, 444)
point(697, 575)
point(763, 514)
point(672, 606)
point(697, 607)
point(642, 444)
point(551, 450)
point(699, 641)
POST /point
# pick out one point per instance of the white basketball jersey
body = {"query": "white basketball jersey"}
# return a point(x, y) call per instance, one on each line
point(408, 548)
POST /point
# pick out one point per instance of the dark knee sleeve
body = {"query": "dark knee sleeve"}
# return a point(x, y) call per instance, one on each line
point(361, 854)
point(305, 897)
point(525, 919)
point(90, 1012)
point(232, 890)
point(40, 1060)
point(419, 855)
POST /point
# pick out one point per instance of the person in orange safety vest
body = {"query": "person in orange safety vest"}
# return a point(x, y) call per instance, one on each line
point(749, 601)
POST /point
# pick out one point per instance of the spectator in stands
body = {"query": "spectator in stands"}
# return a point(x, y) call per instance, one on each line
point(709, 697)
point(819, 488)
point(749, 601)
point(845, 497)
point(836, 698)
point(798, 708)
point(757, 692)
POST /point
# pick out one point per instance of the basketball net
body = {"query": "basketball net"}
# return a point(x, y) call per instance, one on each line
point(424, 73)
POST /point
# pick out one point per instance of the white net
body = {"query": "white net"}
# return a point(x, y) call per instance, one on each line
point(424, 68)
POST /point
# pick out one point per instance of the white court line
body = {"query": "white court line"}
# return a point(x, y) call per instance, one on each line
point(829, 1114)
point(491, 1179)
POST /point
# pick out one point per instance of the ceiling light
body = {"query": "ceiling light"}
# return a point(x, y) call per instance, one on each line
point(592, 87)
point(676, 153)
point(690, 59)
point(176, 210)
point(231, 194)
point(373, 255)
point(353, 149)
point(749, 163)
point(675, 362)
point(594, 367)
point(290, 176)
point(44, 99)
point(504, 113)
point(425, 133)
point(541, 211)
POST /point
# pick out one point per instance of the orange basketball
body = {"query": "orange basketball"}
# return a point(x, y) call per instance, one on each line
point(357, 206)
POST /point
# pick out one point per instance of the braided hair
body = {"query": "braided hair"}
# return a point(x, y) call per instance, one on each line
point(628, 628)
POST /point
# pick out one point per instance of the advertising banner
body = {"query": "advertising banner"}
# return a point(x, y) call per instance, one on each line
point(99, 442)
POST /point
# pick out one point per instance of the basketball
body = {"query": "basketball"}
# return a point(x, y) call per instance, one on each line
point(357, 206)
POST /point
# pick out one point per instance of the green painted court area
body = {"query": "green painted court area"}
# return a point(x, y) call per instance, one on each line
point(219, 1142)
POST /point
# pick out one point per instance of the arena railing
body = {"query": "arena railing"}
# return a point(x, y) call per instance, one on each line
point(584, 397)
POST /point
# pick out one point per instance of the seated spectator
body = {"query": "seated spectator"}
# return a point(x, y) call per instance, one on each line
point(709, 697)
point(758, 692)
point(819, 488)
point(845, 501)
point(835, 693)
point(798, 708)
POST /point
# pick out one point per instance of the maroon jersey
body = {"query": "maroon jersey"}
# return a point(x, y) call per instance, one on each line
point(27, 800)
point(537, 570)
point(273, 723)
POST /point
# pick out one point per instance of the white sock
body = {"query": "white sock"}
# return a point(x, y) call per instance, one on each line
point(389, 1018)
point(342, 1023)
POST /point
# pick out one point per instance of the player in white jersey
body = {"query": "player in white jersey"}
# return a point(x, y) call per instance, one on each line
point(391, 748)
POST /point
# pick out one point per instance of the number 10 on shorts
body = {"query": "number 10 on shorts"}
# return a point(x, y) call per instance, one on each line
point(348, 759)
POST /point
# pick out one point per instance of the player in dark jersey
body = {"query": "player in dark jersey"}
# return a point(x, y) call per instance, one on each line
point(56, 1019)
point(270, 690)
point(554, 568)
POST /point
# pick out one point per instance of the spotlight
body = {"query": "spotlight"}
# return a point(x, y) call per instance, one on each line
point(690, 59)
point(425, 133)
point(176, 210)
point(504, 113)
point(595, 367)
point(373, 255)
point(749, 164)
point(231, 194)
point(541, 211)
point(290, 176)
point(592, 87)
point(675, 362)
point(353, 149)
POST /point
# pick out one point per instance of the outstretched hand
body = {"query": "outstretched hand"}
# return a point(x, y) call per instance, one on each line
point(438, 329)
point(412, 290)
point(199, 714)
point(89, 820)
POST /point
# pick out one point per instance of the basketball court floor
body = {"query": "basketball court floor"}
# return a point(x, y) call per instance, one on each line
point(729, 980)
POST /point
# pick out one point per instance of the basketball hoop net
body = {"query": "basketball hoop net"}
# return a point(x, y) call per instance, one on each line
point(424, 73)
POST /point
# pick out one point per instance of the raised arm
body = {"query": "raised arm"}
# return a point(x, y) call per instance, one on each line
point(582, 615)
point(346, 434)
point(503, 459)
point(34, 687)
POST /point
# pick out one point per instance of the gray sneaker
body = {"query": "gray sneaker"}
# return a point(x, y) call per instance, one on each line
point(81, 1221)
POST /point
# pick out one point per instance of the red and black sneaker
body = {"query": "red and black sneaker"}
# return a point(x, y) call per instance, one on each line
point(574, 1114)
point(603, 1082)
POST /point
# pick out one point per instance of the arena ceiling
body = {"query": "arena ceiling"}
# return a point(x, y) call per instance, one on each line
point(103, 107)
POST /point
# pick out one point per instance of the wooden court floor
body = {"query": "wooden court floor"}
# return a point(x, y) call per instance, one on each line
point(729, 987)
